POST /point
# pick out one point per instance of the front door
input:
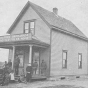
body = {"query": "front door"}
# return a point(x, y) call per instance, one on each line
point(20, 54)
point(36, 63)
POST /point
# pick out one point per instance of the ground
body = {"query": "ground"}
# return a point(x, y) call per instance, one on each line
point(65, 83)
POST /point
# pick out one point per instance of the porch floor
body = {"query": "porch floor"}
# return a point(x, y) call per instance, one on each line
point(34, 77)
point(38, 77)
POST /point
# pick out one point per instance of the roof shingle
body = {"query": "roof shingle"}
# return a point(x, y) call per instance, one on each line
point(51, 19)
point(58, 21)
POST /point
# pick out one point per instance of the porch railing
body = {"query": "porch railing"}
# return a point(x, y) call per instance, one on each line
point(15, 37)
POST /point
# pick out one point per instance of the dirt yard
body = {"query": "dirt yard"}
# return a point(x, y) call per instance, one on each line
point(76, 83)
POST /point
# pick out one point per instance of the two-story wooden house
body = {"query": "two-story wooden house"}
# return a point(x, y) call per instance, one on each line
point(38, 34)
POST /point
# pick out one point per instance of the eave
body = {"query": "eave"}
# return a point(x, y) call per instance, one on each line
point(20, 40)
point(69, 33)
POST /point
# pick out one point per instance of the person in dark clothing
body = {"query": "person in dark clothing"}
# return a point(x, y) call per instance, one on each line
point(5, 75)
point(16, 65)
point(5, 64)
point(28, 72)
point(10, 63)
point(43, 67)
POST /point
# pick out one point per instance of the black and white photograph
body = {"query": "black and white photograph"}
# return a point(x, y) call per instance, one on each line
point(43, 43)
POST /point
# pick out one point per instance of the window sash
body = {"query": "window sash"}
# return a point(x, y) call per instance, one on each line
point(32, 30)
point(26, 26)
point(64, 63)
point(32, 25)
point(26, 31)
point(64, 55)
point(29, 27)
point(79, 60)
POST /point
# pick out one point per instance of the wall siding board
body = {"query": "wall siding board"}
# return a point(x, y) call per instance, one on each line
point(42, 31)
point(73, 46)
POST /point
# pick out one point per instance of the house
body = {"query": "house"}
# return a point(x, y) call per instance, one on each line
point(40, 35)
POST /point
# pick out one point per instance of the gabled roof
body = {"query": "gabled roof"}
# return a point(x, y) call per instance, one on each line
point(51, 19)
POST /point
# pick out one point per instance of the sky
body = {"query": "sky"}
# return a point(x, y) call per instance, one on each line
point(73, 10)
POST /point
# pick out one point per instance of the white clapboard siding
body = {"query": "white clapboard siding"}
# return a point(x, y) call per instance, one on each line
point(61, 41)
point(42, 31)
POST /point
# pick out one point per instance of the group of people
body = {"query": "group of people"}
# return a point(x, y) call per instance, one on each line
point(43, 67)
point(33, 69)
point(9, 72)
point(6, 72)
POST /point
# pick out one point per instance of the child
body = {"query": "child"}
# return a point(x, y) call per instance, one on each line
point(12, 78)
point(28, 73)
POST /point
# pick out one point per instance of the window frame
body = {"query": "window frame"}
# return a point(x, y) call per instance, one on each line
point(64, 51)
point(29, 29)
point(24, 27)
point(80, 67)
point(32, 28)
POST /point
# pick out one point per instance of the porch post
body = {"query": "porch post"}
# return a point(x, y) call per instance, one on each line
point(13, 54)
point(30, 54)
point(10, 55)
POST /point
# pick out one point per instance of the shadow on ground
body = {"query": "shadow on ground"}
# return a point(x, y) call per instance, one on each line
point(62, 86)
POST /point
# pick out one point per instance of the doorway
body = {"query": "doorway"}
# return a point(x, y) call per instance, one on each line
point(36, 63)
point(20, 54)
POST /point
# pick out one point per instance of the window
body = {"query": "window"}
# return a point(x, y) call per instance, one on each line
point(32, 27)
point(26, 27)
point(79, 60)
point(64, 59)
point(29, 27)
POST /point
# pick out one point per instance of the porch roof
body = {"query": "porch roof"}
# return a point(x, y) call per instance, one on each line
point(20, 39)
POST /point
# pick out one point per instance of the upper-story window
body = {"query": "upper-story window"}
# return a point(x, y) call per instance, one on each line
point(32, 27)
point(26, 27)
point(29, 27)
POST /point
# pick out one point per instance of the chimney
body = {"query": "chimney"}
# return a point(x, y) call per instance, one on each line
point(55, 11)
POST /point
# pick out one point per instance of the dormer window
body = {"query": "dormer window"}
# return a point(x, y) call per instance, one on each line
point(29, 27)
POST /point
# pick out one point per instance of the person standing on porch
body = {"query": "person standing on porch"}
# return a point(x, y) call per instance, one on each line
point(5, 64)
point(5, 79)
point(43, 67)
point(16, 65)
point(28, 72)
point(9, 63)
point(12, 78)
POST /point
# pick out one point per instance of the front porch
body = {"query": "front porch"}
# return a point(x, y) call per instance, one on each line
point(29, 49)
